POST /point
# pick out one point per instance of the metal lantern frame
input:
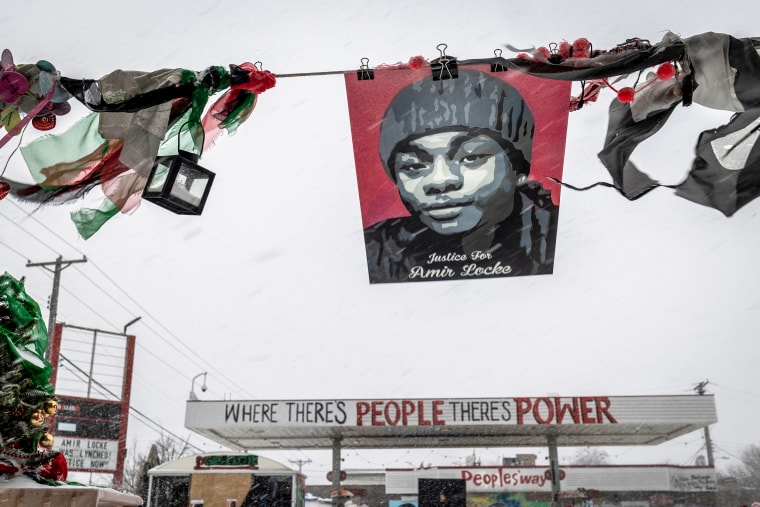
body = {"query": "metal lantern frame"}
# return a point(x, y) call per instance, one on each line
point(171, 181)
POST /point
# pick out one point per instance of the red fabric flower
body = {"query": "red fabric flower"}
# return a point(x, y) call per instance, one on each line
point(416, 62)
point(258, 80)
point(581, 48)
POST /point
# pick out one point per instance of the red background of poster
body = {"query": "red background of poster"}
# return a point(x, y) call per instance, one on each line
point(547, 99)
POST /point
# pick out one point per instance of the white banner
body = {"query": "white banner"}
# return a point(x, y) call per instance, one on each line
point(89, 454)
point(565, 411)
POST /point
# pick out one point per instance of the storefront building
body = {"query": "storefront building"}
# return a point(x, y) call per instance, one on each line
point(581, 486)
point(224, 479)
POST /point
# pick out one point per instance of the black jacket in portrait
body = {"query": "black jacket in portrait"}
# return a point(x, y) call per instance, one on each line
point(404, 249)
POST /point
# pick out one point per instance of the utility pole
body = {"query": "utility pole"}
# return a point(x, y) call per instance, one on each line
point(60, 265)
point(700, 389)
point(300, 463)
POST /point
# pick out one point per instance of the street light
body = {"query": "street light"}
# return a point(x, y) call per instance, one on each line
point(130, 323)
point(193, 396)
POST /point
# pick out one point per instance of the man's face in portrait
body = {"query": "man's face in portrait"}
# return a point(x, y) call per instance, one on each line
point(455, 180)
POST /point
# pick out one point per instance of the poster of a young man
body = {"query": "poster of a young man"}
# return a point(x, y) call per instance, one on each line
point(454, 174)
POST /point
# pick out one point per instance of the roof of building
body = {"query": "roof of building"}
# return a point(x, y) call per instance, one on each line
point(450, 422)
point(217, 461)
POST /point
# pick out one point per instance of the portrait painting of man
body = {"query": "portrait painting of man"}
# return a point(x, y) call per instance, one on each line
point(454, 174)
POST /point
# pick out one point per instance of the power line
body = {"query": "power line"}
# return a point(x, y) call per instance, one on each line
point(167, 365)
point(53, 312)
point(12, 249)
point(138, 344)
point(131, 408)
point(740, 391)
point(721, 449)
point(15, 224)
point(202, 362)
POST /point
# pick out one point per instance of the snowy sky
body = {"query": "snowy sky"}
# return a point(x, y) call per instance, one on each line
point(267, 291)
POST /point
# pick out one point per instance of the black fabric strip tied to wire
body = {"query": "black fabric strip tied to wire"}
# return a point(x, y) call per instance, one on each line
point(703, 59)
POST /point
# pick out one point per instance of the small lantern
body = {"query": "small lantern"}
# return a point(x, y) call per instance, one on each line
point(179, 184)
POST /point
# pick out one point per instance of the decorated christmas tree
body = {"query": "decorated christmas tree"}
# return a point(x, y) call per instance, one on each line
point(26, 395)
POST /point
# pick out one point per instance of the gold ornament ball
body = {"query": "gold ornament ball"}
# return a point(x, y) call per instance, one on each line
point(51, 407)
point(37, 418)
point(46, 440)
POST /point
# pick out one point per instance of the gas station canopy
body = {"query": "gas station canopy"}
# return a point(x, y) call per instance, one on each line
point(449, 422)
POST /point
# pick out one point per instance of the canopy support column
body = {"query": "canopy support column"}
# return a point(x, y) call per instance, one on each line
point(337, 500)
point(554, 465)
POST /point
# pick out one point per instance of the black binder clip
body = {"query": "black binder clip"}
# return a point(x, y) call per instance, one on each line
point(497, 66)
point(444, 67)
point(554, 56)
point(365, 73)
